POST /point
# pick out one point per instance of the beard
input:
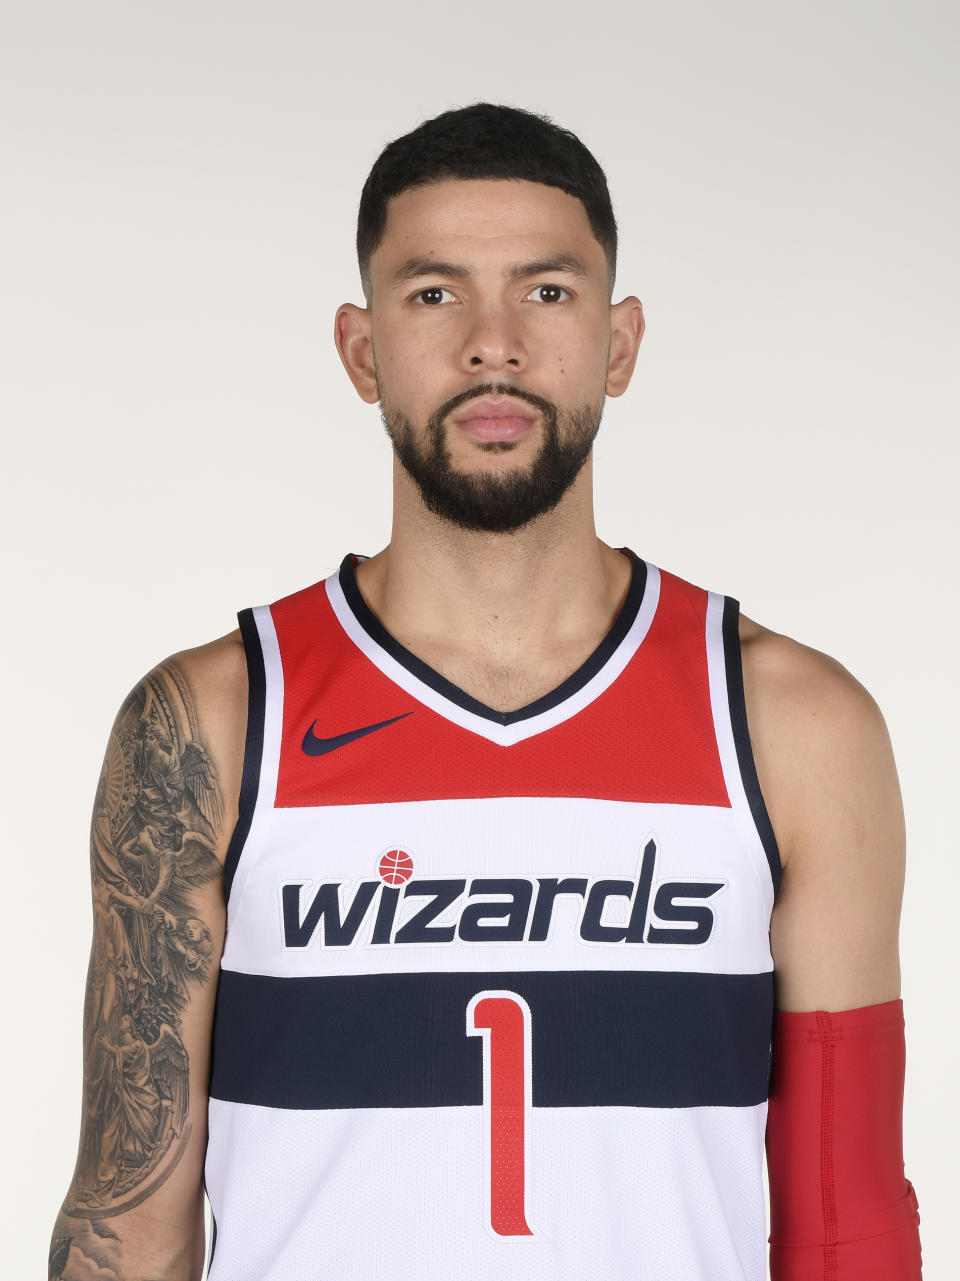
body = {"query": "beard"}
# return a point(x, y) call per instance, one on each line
point(503, 501)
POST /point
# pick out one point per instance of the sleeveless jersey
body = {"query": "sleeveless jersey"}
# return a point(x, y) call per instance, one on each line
point(496, 994)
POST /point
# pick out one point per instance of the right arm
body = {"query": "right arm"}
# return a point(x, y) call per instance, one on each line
point(163, 816)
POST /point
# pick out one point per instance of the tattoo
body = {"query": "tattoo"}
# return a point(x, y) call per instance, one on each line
point(157, 815)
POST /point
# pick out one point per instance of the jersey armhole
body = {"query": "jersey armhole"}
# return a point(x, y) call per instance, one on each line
point(733, 663)
point(253, 745)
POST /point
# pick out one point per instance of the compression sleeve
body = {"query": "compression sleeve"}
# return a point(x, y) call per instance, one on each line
point(841, 1208)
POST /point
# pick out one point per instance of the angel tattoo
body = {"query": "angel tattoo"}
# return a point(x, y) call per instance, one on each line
point(156, 821)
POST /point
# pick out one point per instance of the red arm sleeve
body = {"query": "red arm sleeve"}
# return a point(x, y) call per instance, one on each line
point(841, 1208)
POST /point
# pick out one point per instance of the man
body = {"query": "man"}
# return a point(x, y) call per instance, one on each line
point(511, 891)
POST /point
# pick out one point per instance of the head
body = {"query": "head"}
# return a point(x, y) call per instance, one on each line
point(487, 249)
point(153, 736)
point(491, 142)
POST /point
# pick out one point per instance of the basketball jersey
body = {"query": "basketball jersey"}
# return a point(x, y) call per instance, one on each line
point(496, 995)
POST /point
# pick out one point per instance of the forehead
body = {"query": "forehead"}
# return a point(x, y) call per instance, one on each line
point(482, 222)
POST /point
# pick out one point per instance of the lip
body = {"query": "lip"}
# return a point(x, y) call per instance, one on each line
point(501, 407)
point(502, 418)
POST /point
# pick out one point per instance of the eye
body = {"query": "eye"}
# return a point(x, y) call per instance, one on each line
point(548, 293)
point(432, 296)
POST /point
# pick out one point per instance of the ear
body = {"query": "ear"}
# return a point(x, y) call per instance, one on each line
point(353, 335)
point(626, 331)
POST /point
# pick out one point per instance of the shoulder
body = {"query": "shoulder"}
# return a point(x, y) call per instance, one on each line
point(210, 680)
point(820, 742)
point(802, 682)
point(216, 673)
point(198, 697)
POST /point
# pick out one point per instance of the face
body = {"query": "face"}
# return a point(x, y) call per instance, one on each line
point(490, 343)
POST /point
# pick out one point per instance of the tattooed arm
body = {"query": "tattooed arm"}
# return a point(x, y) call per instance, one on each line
point(162, 819)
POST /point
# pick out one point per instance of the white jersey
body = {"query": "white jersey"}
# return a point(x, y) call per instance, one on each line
point(497, 992)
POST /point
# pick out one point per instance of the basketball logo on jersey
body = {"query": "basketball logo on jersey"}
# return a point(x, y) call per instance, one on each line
point(396, 909)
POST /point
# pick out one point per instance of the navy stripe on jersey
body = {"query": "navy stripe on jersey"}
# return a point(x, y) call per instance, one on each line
point(213, 1232)
point(585, 673)
point(599, 1039)
point(741, 736)
point(253, 748)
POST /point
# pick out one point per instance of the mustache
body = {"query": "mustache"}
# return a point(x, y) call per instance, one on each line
point(546, 407)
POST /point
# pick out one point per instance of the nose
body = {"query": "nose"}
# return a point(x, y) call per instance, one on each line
point(493, 342)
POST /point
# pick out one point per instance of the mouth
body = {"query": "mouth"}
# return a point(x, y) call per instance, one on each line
point(496, 418)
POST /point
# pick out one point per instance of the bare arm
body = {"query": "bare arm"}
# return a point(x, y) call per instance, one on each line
point(827, 772)
point(163, 814)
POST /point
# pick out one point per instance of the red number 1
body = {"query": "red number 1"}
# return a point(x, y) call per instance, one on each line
point(503, 1020)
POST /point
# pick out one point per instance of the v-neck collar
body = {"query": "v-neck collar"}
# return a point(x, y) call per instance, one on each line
point(589, 680)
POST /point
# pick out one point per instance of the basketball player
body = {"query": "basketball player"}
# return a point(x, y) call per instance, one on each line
point(502, 902)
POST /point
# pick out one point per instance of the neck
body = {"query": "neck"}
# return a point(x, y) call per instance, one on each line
point(504, 598)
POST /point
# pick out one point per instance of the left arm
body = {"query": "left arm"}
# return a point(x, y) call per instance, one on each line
point(827, 773)
point(840, 1204)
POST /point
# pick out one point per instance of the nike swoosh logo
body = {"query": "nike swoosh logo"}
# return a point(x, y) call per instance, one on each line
point(314, 746)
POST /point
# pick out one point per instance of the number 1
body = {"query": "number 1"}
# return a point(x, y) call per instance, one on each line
point(503, 1020)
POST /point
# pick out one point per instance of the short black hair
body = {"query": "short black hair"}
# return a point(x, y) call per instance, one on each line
point(485, 140)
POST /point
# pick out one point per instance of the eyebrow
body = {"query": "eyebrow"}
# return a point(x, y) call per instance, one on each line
point(414, 268)
point(547, 266)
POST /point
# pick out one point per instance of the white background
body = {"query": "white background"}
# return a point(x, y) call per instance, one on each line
point(179, 193)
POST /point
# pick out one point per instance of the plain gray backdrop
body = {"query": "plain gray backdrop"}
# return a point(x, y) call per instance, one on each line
point(179, 193)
